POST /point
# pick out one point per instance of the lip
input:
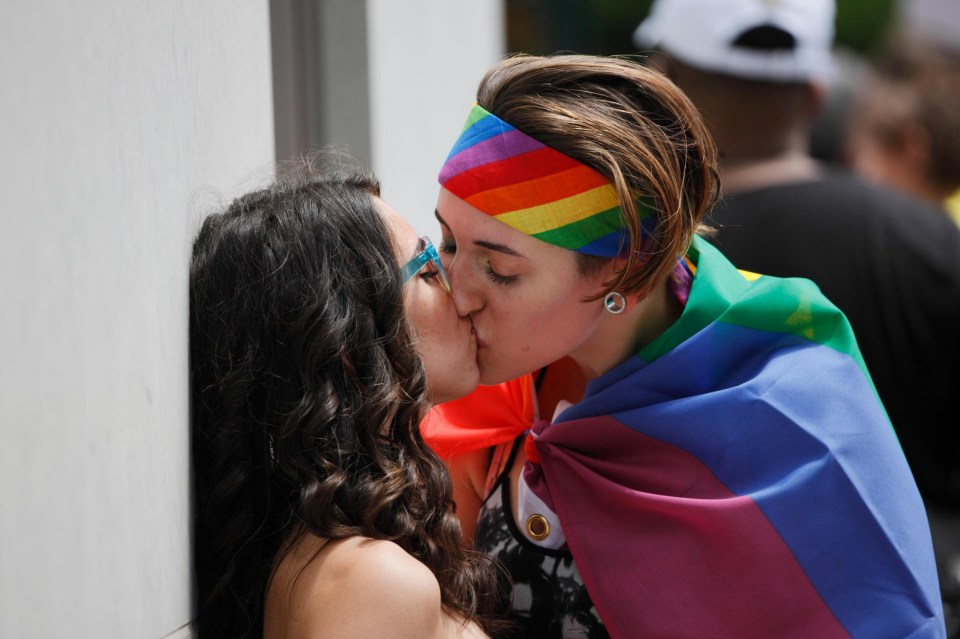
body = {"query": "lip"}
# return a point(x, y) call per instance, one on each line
point(473, 331)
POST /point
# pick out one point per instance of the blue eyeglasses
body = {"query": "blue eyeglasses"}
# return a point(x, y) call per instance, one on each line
point(426, 253)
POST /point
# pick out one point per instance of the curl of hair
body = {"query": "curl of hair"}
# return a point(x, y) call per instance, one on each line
point(307, 395)
point(632, 125)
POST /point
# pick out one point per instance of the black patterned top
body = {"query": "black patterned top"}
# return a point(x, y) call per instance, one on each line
point(548, 599)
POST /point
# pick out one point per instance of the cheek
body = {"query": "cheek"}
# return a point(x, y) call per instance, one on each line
point(440, 331)
point(448, 351)
point(555, 304)
point(528, 333)
point(565, 325)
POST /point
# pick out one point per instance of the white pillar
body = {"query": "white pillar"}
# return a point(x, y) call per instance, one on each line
point(116, 118)
point(425, 59)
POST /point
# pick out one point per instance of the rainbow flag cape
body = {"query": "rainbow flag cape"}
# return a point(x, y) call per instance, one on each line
point(737, 478)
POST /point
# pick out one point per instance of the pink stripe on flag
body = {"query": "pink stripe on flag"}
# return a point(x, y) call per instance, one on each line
point(705, 561)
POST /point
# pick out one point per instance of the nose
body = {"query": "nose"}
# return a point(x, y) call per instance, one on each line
point(465, 293)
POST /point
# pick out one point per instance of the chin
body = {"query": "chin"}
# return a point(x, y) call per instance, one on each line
point(465, 384)
point(496, 370)
point(493, 376)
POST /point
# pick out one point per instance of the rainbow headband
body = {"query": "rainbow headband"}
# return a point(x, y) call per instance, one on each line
point(535, 189)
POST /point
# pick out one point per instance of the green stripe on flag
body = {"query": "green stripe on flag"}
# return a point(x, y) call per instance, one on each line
point(790, 305)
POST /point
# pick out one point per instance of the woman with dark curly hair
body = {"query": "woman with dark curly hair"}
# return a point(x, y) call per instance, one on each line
point(321, 329)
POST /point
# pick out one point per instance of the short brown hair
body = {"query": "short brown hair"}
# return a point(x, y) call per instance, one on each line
point(631, 124)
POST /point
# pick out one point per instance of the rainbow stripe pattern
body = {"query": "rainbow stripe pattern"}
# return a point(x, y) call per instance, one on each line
point(535, 189)
point(739, 477)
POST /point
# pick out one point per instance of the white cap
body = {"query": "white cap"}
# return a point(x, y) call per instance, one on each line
point(703, 33)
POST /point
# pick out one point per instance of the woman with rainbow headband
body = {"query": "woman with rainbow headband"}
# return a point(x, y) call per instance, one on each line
point(666, 446)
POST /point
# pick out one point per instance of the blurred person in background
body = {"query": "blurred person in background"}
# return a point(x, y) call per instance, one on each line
point(905, 126)
point(756, 71)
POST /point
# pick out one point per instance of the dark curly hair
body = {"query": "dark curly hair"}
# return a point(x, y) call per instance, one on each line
point(307, 395)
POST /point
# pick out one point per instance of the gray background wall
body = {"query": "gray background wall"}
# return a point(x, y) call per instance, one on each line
point(118, 120)
point(121, 123)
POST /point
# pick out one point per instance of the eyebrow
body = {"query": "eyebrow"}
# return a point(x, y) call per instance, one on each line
point(419, 248)
point(492, 246)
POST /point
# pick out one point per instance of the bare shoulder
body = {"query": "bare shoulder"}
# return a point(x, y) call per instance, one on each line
point(384, 571)
point(356, 588)
point(406, 593)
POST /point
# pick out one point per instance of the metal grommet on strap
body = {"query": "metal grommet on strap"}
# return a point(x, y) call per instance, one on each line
point(538, 528)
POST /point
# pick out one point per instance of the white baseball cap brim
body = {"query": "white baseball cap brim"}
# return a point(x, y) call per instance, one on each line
point(703, 33)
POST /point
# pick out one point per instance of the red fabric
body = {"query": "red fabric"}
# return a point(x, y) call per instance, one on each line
point(517, 169)
point(659, 540)
point(486, 417)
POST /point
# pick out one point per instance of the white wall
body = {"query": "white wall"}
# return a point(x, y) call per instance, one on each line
point(113, 114)
point(425, 59)
point(117, 118)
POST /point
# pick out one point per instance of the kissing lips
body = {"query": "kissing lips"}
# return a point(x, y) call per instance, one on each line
point(473, 331)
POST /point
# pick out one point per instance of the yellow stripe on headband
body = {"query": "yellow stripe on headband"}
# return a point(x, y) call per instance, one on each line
point(546, 217)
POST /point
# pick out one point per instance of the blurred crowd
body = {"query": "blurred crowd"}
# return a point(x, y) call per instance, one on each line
point(844, 168)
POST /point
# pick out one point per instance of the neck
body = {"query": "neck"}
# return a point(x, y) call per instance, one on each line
point(914, 180)
point(752, 173)
point(619, 337)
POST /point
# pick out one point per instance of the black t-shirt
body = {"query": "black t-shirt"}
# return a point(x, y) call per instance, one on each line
point(892, 265)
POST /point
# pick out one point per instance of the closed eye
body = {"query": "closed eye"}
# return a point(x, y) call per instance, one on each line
point(497, 278)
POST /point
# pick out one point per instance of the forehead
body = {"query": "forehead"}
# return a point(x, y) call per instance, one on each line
point(461, 216)
point(403, 234)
